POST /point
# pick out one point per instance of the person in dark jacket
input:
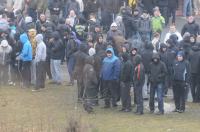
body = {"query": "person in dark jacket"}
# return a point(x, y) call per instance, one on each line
point(191, 27)
point(90, 81)
point(194, 59)
point(72, 48)
point(139, 79)
point(163, 57)
point(72, 5)
point(172, 7)
point(181, 78)
point(148, 5)
point(145, 26)
point(125, 82)
point(157, 76)
point(110, 73)
point(171, 56)
point(56, 56)
point(146, 54)
point(80, 57)
point(55, 8)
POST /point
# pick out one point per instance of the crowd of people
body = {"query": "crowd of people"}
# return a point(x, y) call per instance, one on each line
point(110, 47)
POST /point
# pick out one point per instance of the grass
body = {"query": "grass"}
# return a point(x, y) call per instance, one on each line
point(50, 110)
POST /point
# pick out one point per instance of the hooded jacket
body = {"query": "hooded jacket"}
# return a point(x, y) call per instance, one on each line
point(194, 59)
point(111, 67)
point(139, 72)
point(181, 71)
point(126, 69)
point(5, 53)
point(157, 71)
point(89, 77)
point(41, 51)
point(26, 53)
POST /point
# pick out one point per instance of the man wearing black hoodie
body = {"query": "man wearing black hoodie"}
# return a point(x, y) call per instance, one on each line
point(157, 76)
point(125, 82)
point(56, 56)
point(194, 59)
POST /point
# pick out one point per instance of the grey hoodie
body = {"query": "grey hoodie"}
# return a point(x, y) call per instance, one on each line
point(40, 49)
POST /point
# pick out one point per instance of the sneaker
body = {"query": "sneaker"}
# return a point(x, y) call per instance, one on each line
point(176, 110)
point(139, 113)
point(160, 113)
point(127, 110)
point(181, 111)
point(151, 111)
point(35, 90)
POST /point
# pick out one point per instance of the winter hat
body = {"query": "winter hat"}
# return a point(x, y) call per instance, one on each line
point(114, 24)
point(180, 53)
point(28, 19)
point(4, 43)
point(92, 51)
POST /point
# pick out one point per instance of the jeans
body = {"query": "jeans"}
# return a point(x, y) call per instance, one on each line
point(56, 70)
point(70, 67)
point(156, 88)
point(172, 12)
point(187, 8)
point(139, 97)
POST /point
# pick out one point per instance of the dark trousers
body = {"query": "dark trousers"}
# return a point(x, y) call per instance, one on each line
point(48, 69)
point(26, 73)
point(125, 95)
point(111, 93)
point(164, 12)
point(179, 94)
point(40, 74)
point(172, 12)
point(195, 87)
point(4, 74)
point(80, 86)
point(139, 98)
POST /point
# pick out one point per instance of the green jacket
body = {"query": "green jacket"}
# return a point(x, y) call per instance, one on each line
point(157, 23)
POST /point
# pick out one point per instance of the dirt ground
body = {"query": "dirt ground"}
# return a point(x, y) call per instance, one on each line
point(50, 110)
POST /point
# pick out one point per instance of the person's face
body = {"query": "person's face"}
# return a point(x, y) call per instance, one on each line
point(180, 58)
point(172, 29)
point(97, 29)
point(72, 13)
point(134, 52)
point(113, 28)
point(155, 60)
point(124, 49)
point(156, 13)
point(42, 17)
point(109, 54)
point(192, 40)
point(135, 13)
point(100, 39)
point(164, 49)
point(190, 19)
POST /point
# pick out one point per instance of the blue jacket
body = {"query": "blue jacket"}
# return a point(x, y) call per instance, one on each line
point(26, 53)
point(111, 67)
